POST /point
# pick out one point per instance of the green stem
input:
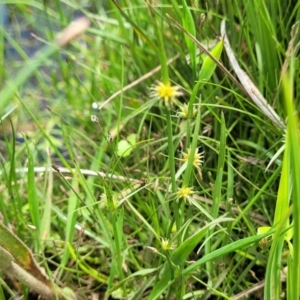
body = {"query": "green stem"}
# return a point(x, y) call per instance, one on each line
point(193, 147)
point(118, 251)
point(171, 151)
point(190, 112)
point(172, 168)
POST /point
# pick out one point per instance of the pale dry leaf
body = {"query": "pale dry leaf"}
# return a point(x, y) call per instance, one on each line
point(73, 30)
point(248, 85)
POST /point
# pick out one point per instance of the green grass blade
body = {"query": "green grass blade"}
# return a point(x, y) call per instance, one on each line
point(180, 255)
point(72, 214)
point(273, 282)
point(33, 200)
point(189, 26)
point(135, 27)
point(217, 194)
point(293, 140)
point(264, 34)
point(46, 217)
point(209, 66)
point(184, 250)
point(237, 245)
point(194, 147)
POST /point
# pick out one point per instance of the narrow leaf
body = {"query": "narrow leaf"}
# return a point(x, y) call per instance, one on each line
point(188, 25)
point(209, 65)
point(248, 85)
point(184, 250)
point(237, 245)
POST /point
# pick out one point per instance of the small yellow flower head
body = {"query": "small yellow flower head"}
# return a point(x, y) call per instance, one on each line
point(198, 158)
point(183, 111)
point(185, 193)
point(165, 92)
point(167, 245)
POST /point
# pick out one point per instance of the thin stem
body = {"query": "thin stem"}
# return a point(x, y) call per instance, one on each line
point(172, 167)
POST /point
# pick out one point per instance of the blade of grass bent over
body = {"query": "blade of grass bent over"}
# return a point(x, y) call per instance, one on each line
point(248, 85)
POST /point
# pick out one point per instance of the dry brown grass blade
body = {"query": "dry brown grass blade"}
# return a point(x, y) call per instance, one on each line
point(248, 85)
point(83, 172)
point(72, 31)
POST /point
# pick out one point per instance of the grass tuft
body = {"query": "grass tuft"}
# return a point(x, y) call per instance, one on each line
point(148, 151)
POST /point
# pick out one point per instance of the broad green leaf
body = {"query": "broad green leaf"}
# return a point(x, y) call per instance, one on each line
point(5, 259)
point(294, 155)
point(263, 229)
point(132, 139)
point(125, 147)
point(21, 254)
point(209, 65)
point(18, 260)
point(162, 284)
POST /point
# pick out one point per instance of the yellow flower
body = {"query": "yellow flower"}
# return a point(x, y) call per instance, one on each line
point(165, 92)
point(184, 111)
point(185, 193)
point(167, 245)
point(198, 158)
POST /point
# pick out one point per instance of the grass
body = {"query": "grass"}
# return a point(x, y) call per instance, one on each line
point(193, 196)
